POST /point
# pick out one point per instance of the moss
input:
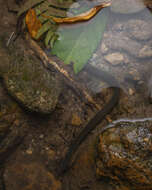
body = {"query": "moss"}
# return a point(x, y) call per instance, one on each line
point(29, 82)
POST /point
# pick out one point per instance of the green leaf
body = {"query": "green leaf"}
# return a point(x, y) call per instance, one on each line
point(49, 35)
point(53, 39)
point(45, 27)
point(77, 44)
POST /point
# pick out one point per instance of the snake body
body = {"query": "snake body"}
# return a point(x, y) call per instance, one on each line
point(100, 115)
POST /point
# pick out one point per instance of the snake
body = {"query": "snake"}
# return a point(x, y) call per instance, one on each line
point(99, 116)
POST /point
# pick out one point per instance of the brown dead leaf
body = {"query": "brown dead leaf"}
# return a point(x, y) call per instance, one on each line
point(32, 22)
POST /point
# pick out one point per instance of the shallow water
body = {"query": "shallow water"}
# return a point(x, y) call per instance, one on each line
point(125, 50)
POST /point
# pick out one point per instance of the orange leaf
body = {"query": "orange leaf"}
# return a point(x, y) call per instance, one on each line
point(82, 17)
point(32, 22)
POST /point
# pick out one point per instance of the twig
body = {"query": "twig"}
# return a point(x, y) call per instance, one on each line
point(48, 62)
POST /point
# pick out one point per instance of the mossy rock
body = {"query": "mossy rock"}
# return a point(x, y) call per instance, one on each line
point(33, 86)
point(29, 82)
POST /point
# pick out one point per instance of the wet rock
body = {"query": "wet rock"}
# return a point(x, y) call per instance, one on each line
point(13, 126)
point(34, 87)
point(104, 48)
point(120, 41)
point(114, 58)
point(127, 6)
point(124, 154)
point(130, 38)
point(139, 29)
point(32, 175)
point(145, 52)
point(10, 113)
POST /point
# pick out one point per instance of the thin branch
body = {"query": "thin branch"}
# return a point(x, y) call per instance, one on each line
point(68, 77)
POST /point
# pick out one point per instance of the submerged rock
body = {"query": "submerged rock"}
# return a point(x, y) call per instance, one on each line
point(33, 86)
point(130, 37)
point(127, 6)
point(124, 154)
point(115, 58)
point(30, 175)
point(139, 29)
point(121, 42)
point(146, 51)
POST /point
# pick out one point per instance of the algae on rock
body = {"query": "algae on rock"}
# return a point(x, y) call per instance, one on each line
point(29, 82)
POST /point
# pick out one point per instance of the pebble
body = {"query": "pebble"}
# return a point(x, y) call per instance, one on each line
point(139, 29)
point(145, 52)
point(114, 58)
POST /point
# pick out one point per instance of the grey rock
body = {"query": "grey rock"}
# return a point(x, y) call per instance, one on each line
point(104, 48)
point(127, 6)
point(145, 52)
point(120, 41)
point(132, 37)
point(139, 29)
